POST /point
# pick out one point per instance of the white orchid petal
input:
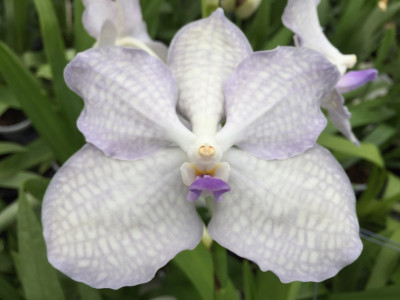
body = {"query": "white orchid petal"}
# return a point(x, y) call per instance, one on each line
point(130, 100)
point(295, 217)
point(112, 223)
point(301, 17)
point(202, 56)
point(273, 102)
point(96, 13)
point(339, 114)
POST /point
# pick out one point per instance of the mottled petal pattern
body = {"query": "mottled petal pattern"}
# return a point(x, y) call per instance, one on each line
point(273, 102)
point(130, 100)
point(112, 223)
point(301, 17)
point(202, 56)
point(295, 217)
point(96, 13)
point(339, 114)
point(355, 79)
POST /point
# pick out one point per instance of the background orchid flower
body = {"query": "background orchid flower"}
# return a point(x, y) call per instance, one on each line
point(120, 23)
point(118, 210)
point(301, 16)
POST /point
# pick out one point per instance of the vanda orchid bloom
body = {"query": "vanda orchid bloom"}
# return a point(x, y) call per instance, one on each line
point(120, 22)
point(301, 17)
point(118, 210)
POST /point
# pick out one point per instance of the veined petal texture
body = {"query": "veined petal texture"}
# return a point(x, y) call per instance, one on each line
point(339, 114)
point(111, 223)
point(201, 57)
point(130, 100)
point(301, 17)
point(295, 217)
point(96, 13)
point(273, 102)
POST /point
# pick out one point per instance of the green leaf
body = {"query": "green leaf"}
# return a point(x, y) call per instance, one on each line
point(220, 264)
point(227, 293)
point(82, 40)
point(341, 145)
point(16, 20)
point(270, 287)
point(16, 181)
point(248, 282)
point(9, 214)
point(259, 27)
point(54, 47)
point(198, 267)
point(88, 293)
point(35, 105)
point(385, 265)
point(39, 279)
point(7, 291)
point(9, 147)
point(388, 41)
point(386, 293)
point(35, 153)
point(283, 37)
point(208, 7)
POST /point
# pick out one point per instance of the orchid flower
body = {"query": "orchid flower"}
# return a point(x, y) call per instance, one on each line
point(301, 17)
point(122, 206)
point(120, 22)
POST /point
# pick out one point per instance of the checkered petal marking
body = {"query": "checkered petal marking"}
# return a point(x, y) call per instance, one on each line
point(273, 102)
point(202, 56)
point(130, 100)
point(295, 217)
point(112, 223)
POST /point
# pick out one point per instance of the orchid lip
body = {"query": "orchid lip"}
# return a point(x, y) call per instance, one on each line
point(210, 184)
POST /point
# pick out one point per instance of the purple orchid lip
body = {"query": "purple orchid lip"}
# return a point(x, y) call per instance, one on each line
point(354, 79)
point(207, 183)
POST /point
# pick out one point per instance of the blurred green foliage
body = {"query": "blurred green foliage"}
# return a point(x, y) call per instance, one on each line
point(38, 37)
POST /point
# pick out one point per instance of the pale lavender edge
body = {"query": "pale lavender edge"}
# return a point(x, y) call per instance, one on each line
point(354, 79)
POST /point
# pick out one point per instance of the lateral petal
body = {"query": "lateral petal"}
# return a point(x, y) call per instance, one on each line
point(295, 217)
point(130, 100)
point(301, 17)
point(201, 57)
point(112, 223)
point(273, 102)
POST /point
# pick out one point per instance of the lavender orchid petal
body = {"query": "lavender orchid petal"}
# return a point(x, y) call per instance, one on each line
point(202, 56)
point(339, 114)
point(295, 217)
point(273, 102)
point(96, 13)
point(355, 79)
point(301, 17)
point(112, 223)
point(130, 100)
